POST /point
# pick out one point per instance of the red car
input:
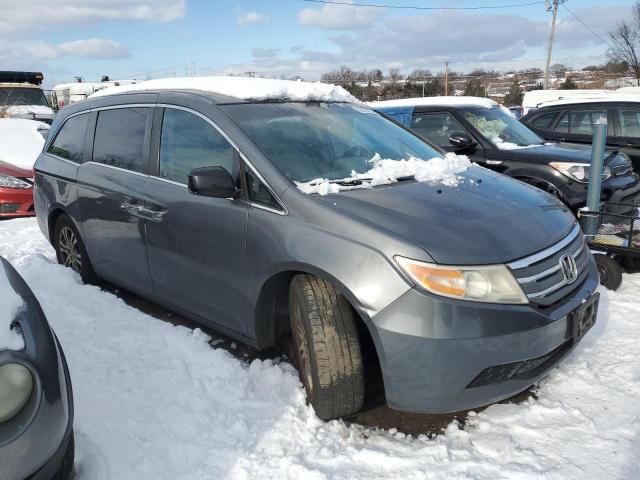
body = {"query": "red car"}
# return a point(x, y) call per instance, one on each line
point(16, 191)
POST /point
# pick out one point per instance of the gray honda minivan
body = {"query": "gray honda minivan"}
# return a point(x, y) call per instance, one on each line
point(461, 295)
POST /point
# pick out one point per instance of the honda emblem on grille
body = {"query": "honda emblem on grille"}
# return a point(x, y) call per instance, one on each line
point(569, 268)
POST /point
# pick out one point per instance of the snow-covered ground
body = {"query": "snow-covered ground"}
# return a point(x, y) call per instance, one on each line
point(156, 401)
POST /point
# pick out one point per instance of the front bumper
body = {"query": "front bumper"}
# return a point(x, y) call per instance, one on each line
point(625, 189)
point(432, 350)
point(30, 443)
point(16, 202)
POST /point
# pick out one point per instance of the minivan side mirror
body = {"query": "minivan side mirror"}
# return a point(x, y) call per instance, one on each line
point(212, 182)
point(462, 141)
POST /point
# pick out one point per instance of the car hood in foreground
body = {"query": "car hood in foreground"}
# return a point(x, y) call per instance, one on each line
point(8, 169)
point(488, 218)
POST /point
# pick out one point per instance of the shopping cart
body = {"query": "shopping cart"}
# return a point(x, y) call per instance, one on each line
point(614, 239)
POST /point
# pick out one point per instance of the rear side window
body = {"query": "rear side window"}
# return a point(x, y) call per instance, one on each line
point(436, 128)
point(69, 142)
point(120, 138)
point(579, 122)
point(189, 142)
point(544, 121)
point(629, 121)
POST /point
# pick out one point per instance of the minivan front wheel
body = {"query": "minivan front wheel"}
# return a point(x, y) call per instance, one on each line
point(326, 347)
point(70, 250)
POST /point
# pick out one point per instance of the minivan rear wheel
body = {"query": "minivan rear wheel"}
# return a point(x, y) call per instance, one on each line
point(326, 347)
point(70, 250)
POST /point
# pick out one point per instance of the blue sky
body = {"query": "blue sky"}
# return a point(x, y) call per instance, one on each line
point(152, 38)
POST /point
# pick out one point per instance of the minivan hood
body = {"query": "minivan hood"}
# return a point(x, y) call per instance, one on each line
point(488, 218)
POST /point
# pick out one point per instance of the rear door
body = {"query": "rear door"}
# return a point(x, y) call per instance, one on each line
point(196, 245)
point(625, 135)
point(111, 195)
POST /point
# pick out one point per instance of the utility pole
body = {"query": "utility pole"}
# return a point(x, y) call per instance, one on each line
point(446, 78)
point(551, 6)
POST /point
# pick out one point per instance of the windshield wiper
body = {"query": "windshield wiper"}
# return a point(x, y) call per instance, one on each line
point(350, 181)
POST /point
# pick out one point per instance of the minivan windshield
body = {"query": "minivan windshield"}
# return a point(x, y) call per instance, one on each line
point(22, 96)
point(500, 127)
point(311, 140)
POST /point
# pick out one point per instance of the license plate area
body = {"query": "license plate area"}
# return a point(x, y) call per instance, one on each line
point(584, 317)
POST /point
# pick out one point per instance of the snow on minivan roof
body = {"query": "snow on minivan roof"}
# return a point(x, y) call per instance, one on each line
point(243, 88)
point(616, 98)
point(448, 101)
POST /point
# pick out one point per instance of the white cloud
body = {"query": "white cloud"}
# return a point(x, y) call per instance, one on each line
point(252, 18)
point(426, 41)
point(38, 14)
point(95, 48)
point(339, 17)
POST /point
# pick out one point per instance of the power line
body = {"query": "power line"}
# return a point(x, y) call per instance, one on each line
point(587, 26)
point(410, 7)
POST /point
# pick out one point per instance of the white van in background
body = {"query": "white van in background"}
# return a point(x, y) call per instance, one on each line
point(68, 93)
point(533, 98)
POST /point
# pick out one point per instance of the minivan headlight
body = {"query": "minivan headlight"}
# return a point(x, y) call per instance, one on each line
point(7, 181)
point(492, 284)
point(16, 385)
point(578, 171)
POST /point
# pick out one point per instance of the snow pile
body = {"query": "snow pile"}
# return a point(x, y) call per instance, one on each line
point(154, 401)
point(17, 110)
point(21, 141)
point(436, 101)
point(245, 88)
point(10, 303)
point(385, 171)
point(502, 145)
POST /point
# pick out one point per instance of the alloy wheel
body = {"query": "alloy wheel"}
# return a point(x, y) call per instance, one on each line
point(70, 249)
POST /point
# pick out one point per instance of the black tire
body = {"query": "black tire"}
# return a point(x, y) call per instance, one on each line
point(326, 347)
point(67, 462)
point(609, 271)
point(70, 249)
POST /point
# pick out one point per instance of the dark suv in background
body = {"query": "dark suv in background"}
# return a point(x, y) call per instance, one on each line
point(191, 192)
point(491, 136)
point(571, 121)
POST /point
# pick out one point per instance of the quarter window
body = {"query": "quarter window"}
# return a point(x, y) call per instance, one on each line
point(629, 121)
point(69, 142)
point(120, 137)
point(258, 192)
point(436, 128)
point(190, 142)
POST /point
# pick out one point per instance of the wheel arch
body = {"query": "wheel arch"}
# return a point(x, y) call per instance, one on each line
point(54, 214)
point(271, 318)
point(271, 314)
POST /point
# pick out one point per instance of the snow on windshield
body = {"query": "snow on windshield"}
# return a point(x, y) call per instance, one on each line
point(502, 145)
point(21, 141)
point(10, 302)
point(385, 171)
point(246, 88)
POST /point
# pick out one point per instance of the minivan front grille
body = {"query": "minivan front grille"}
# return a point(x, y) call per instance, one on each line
point(550, 275)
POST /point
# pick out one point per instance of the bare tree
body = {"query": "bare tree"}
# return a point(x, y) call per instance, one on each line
point(394, 75)
point(625, 42)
